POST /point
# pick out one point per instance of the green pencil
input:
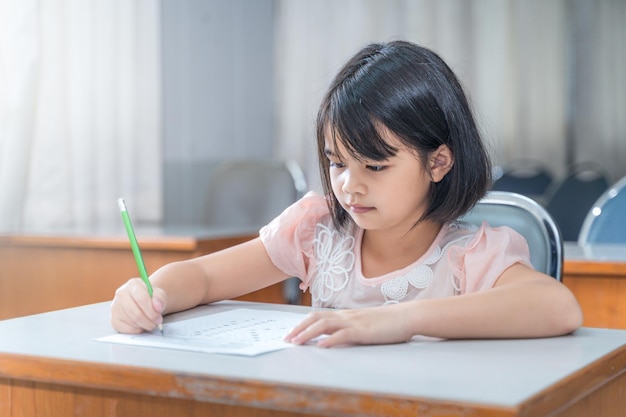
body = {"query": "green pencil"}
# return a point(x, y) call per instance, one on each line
point(135, 247)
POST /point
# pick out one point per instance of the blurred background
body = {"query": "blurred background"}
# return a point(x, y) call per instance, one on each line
point(101, 99)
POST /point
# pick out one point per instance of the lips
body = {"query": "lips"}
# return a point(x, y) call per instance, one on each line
point(357, 209)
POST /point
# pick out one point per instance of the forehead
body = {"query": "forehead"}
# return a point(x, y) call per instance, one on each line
point(336, 144)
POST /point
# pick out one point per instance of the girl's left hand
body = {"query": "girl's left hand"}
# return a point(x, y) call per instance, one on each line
point(375, 325)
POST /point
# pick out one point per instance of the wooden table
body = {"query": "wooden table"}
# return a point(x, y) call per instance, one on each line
point(51, 365)
point(44, 271)
point(597, 276)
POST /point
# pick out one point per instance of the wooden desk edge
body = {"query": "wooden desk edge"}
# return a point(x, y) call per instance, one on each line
point(593, 268)
point(172, 243)
point(230, 391)
point(565, 393)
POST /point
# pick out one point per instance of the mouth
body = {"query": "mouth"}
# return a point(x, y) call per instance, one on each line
point(358, 209)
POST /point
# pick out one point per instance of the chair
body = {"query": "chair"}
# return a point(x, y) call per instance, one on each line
point(524, 176)
point(527, 217)
point(251, 192)
point(572, 198)
point(606, 221)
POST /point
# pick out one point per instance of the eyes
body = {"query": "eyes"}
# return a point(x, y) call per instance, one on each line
point(373, 168)
point(335, 162)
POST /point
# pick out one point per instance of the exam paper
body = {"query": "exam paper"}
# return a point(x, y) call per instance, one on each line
point(240, 331)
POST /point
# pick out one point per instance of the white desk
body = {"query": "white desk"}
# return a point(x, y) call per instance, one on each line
point(597, 252)
point(51, 362)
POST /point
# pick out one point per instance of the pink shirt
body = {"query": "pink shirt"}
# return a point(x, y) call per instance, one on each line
point(463, 258)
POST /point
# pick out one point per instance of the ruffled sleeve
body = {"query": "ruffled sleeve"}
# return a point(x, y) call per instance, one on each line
point(288, 238)
point(487, 255)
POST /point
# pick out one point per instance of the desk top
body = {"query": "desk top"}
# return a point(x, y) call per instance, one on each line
point(597, 252)
point(497, 373)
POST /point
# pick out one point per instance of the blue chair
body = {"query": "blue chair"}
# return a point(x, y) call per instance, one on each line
point(528, 218)
point(572, 198)
point(524, 176)
point(606, 221)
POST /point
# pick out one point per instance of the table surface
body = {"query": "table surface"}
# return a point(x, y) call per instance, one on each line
point(615, 253)
point(490, 372)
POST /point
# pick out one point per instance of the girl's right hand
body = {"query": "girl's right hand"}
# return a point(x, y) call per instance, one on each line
point(132, 309)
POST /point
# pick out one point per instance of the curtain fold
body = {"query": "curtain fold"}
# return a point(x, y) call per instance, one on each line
point(514, 58)
point(18, 92)
point(80, 125)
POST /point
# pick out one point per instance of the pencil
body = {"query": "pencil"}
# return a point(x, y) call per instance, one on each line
point(135, 247)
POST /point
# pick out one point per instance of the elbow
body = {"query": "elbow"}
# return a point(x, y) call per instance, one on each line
point(576, 319)
point(570, 316)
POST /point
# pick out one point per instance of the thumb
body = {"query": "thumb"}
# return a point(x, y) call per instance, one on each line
point(159, 300)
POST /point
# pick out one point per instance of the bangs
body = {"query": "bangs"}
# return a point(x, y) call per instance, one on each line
point(350, 121)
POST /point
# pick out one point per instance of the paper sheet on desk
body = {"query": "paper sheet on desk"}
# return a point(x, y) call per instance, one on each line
point(237, 332)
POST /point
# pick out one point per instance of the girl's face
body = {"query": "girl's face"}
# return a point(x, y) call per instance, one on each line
point(380, 194)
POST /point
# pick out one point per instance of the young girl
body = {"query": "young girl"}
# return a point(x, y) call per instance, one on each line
point(400, 159)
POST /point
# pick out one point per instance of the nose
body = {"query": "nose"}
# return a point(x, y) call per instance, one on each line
point(352, 182)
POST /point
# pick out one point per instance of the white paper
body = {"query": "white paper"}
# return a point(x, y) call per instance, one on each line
point(238, 332)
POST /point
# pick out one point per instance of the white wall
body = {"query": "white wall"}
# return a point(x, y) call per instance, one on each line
point(218, 93)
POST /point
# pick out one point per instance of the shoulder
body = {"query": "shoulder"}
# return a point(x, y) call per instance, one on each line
point(479, 254)
point(309, 210)
point(476, 237)
point(297, 223)
point(289, 238)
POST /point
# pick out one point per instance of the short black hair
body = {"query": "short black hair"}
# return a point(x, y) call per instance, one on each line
point(414, 94)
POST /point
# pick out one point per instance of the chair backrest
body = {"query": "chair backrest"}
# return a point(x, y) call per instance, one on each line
point(572, 198)
point(525, 176)
point(532, 221)
point(251, 192)
point(606, 221)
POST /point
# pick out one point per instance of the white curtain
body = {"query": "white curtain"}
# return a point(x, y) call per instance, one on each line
point(598, 103)
point(79, 113)
point(513, 56)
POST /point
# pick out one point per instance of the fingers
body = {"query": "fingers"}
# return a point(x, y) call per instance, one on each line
point(331, 329)
point(374, 325)
point(134, 311)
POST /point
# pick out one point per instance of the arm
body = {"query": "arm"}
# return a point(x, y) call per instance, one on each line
point(182, 285)
point(522, 303)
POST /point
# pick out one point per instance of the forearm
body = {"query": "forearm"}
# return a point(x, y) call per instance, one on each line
point(523, 309)
point(221, 275)
point(184, 283)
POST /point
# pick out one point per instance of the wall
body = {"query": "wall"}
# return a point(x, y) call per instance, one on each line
point(218, 93)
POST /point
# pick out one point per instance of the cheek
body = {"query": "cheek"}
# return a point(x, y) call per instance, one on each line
point(335, 181)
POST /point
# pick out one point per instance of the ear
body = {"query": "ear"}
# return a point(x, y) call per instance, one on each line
point(440, 162)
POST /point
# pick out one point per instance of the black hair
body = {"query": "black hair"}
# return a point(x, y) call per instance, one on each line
point(413, 93)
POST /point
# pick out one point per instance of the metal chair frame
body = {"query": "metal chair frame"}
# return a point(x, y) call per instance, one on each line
point(531, 220)
point(591, 226)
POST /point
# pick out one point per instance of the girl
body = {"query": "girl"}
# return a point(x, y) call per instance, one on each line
point(400, 159)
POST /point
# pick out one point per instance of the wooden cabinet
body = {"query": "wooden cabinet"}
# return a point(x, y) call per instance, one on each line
point(40, 273)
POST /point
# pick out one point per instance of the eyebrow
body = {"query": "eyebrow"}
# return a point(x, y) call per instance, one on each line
point(329, 152)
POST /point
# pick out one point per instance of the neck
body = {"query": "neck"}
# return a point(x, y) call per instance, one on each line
point(384, 251)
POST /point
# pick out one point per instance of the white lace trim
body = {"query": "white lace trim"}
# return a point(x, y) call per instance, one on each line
point(419, 277)
point(335, 262)
point(333, 251)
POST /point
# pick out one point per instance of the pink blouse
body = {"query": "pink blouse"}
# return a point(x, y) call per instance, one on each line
point(463, 258)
